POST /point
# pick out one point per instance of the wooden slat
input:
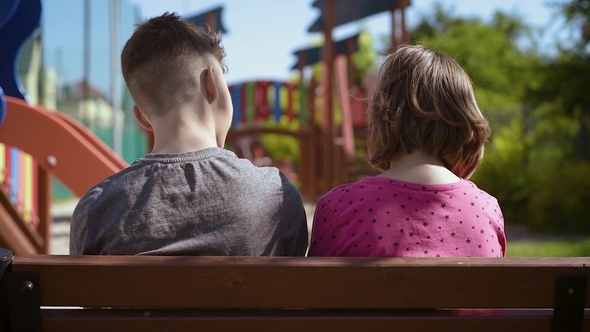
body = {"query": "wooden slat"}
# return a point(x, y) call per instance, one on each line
point(279, 282)
point(299, 320)
point(11, 235)
point(13, 216)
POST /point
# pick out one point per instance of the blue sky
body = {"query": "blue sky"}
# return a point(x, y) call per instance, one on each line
point(262, 33)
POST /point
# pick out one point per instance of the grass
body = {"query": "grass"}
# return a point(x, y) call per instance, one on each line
point(548, 249)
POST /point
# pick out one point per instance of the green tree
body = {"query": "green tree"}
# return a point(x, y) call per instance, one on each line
point(489, 53)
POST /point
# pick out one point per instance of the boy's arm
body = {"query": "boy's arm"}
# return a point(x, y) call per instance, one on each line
point(79, 232)
point(295, 234)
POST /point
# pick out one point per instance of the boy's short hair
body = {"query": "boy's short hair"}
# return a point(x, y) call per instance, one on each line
point(424, 100)
point(157, 61)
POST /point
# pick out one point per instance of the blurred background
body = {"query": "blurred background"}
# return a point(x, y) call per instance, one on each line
point(529, 61)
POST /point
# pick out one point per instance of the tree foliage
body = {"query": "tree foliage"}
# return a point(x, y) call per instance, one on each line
point(536, 105)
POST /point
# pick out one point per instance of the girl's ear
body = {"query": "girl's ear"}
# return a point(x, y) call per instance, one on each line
point(210, 86)
point(141, 119)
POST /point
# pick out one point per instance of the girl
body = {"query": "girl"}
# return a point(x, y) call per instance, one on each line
point(426, 136)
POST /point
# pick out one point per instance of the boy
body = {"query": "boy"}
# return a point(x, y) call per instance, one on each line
point(188, 196)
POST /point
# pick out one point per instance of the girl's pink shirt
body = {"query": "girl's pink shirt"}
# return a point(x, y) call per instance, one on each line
point(384, 217)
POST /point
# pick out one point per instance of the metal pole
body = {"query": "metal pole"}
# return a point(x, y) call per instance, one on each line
point(115, 81)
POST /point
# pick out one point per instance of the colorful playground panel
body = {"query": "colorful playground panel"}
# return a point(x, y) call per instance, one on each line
point(257, 101)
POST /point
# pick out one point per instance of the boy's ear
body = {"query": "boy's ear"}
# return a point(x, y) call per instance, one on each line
point(141, 119)
point(210, 85)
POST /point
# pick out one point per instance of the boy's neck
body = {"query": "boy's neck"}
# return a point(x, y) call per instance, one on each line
point(183, 132)
point(419, 167)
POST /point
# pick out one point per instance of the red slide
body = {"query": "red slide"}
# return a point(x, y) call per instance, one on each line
point(61, 145)
point(63, 148)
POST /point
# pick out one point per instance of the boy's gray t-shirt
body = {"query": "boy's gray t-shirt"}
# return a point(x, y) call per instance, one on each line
point(206, 202)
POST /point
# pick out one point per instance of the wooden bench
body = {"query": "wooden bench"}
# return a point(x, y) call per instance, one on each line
point(130, 293)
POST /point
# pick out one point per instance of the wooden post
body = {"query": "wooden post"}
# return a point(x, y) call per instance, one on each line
point(211, 20)
point(303, 139)
point(45, 218)
point(350, 65)
point(405, 35)
point(393, 29)
point(328, 102)
point(313, 164)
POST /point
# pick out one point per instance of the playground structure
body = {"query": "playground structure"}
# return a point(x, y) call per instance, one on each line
point(37, 143)
point(328, 148)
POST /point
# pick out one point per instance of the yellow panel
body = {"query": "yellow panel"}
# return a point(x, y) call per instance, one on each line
point(2, 162)
point(28, 187)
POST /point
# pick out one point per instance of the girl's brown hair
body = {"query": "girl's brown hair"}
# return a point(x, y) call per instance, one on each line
point(424, 100)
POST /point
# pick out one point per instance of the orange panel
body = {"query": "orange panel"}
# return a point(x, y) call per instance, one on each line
point(78, 160)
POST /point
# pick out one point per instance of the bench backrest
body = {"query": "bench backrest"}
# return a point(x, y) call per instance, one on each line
point(294, 294)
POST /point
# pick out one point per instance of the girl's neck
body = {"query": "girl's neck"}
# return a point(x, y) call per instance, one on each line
point(418, 167)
